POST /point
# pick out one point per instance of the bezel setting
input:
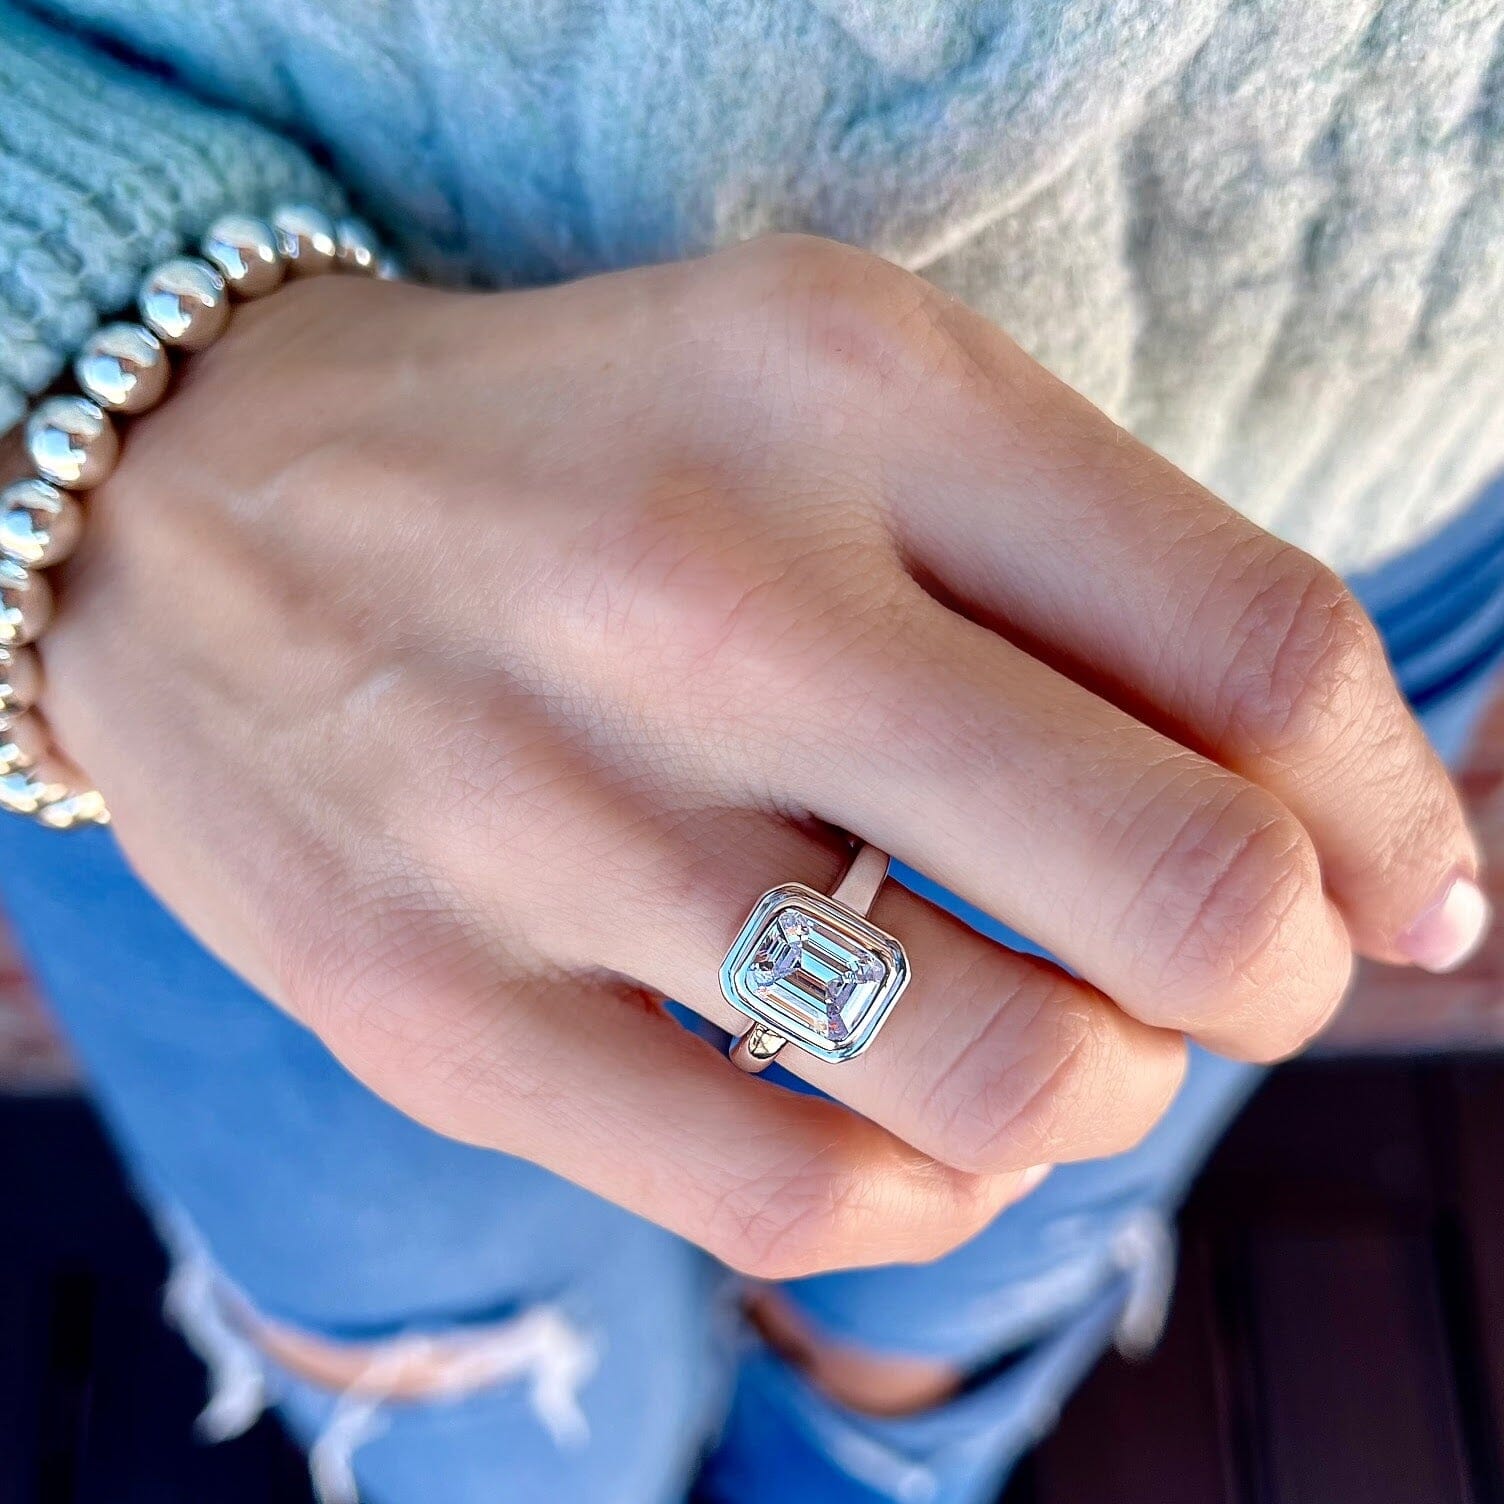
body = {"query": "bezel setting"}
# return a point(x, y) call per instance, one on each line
point(814, 971)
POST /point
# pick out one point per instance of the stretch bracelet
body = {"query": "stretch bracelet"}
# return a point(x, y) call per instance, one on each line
point(73, 443)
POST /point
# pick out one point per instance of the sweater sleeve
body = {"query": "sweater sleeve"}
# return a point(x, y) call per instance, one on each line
point(104, 170)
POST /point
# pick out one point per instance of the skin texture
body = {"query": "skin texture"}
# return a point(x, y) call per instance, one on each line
point(876, 1384)
point(460, 668)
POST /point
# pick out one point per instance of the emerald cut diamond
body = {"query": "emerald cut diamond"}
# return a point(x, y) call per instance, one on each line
point(814, 971)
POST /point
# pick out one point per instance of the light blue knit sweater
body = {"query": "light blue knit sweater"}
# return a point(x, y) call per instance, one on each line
point(1267, 235)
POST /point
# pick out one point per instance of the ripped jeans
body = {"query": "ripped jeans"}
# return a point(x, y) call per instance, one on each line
point(597, 1359)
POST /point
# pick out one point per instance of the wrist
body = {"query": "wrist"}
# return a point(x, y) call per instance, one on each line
point(72, 444)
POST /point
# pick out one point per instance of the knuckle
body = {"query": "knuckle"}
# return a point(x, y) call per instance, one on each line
point(388, 990)
point(680, 580)
point(674, 572)
point(1306, 661)
point(836, 1211)
point(964, 1205)
point(843, 316)
point(1232, 894)
point(802, 272)
point(1050, 1079)
point(1007, 1097)
point(783, 1224)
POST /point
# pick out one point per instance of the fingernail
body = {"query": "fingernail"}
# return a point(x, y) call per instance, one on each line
point(1031, 1178)
point(1451, 929)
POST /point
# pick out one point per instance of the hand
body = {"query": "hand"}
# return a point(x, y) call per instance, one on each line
point(460, 668)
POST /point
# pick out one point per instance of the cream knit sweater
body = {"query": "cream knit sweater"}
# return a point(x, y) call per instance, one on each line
point(1266, 235)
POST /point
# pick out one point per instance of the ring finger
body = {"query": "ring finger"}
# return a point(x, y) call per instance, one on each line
point(992, 1060)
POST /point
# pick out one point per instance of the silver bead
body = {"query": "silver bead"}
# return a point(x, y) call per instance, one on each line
point(38, 780)
point(39, 524)
point(72, 442)
point(389, 269)
point(357, 249)
point(74, 810)
point(21, 793)
point(307, 238)
point(24, 743)
point(184, 301)
point(124, 368)
point(25, 604)
point(245, 252)
point(20, 681)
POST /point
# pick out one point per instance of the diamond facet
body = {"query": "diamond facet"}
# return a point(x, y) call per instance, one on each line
point(814, 971)
point(806, 965)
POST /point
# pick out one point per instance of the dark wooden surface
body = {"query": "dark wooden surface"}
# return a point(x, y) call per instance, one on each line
point(97, 1397)
point(1338, 1333)
point(1338, 1336)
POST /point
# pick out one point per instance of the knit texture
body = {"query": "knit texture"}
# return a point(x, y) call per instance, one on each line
point(104, 171)
point(1266, 235)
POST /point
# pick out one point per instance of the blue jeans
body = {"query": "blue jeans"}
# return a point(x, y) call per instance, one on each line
point(618, 1370)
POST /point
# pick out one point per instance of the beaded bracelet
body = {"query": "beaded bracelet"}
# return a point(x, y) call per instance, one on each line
point(123, 370)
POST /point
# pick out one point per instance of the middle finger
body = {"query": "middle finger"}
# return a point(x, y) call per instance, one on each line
point(1186, 893)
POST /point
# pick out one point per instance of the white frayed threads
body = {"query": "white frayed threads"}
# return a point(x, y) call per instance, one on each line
point(540, 1346)
point(193, 1306)
point(1143, 1247)
point(882, 1468)
point(331, 1458)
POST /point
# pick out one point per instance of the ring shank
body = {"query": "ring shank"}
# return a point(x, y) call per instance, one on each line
point(863, 880)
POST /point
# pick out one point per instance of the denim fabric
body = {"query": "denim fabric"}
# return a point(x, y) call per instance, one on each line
point(331, 1211)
